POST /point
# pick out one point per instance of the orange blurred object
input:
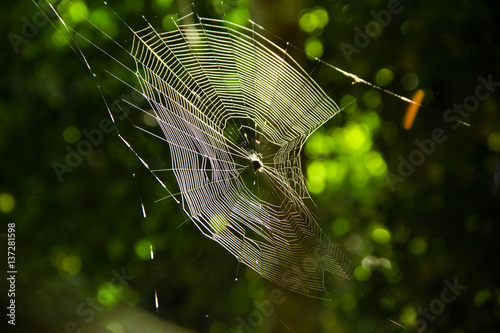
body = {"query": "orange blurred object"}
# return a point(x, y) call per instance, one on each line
point(412, 110)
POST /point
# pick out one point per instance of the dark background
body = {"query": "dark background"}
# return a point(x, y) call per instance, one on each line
point(74, 235)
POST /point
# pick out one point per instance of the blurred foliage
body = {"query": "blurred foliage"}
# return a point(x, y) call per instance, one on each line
point(74, 236)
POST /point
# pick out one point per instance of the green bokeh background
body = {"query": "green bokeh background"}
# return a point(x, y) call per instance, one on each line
point(441, 223)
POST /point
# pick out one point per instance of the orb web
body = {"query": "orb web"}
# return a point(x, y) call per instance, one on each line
point(234, 110)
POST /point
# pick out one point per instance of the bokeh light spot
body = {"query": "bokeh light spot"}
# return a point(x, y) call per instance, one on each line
point(78, 11)
point(481, 298)
point(316, 173)
point(7, 202)
point(321, 16)
point(494, 141)
point(348, 303)
point(115, 327)
point(375, 163)
point(355, 135)
point(409, 81)
point(115, 248)
point(387, 303)
point(163, 3)
point(327, 319)
point(142, 249)
point(335, 173)
point(348, 103)
point(405, 27)
point(472, 222)
point(314, 48)
point(408, 315)
point(168, 22)
point(381, 235)
point(418, 246)
point(307, 22)
point(372, 98)
point(362, 273)
point(71, 264)
point(340, 226)
point(102, 19)
point(372, 120)
point(108, 295)
point(58, 40)
point(238, 16)
point(316, 19)
point(315, 145)
point(390, 132)
point(72, 134)
point(384, 77)
point(218, 222)
point(97, 159)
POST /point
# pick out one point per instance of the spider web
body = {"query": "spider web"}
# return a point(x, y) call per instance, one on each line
point(234, 110)
point(225, 96)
